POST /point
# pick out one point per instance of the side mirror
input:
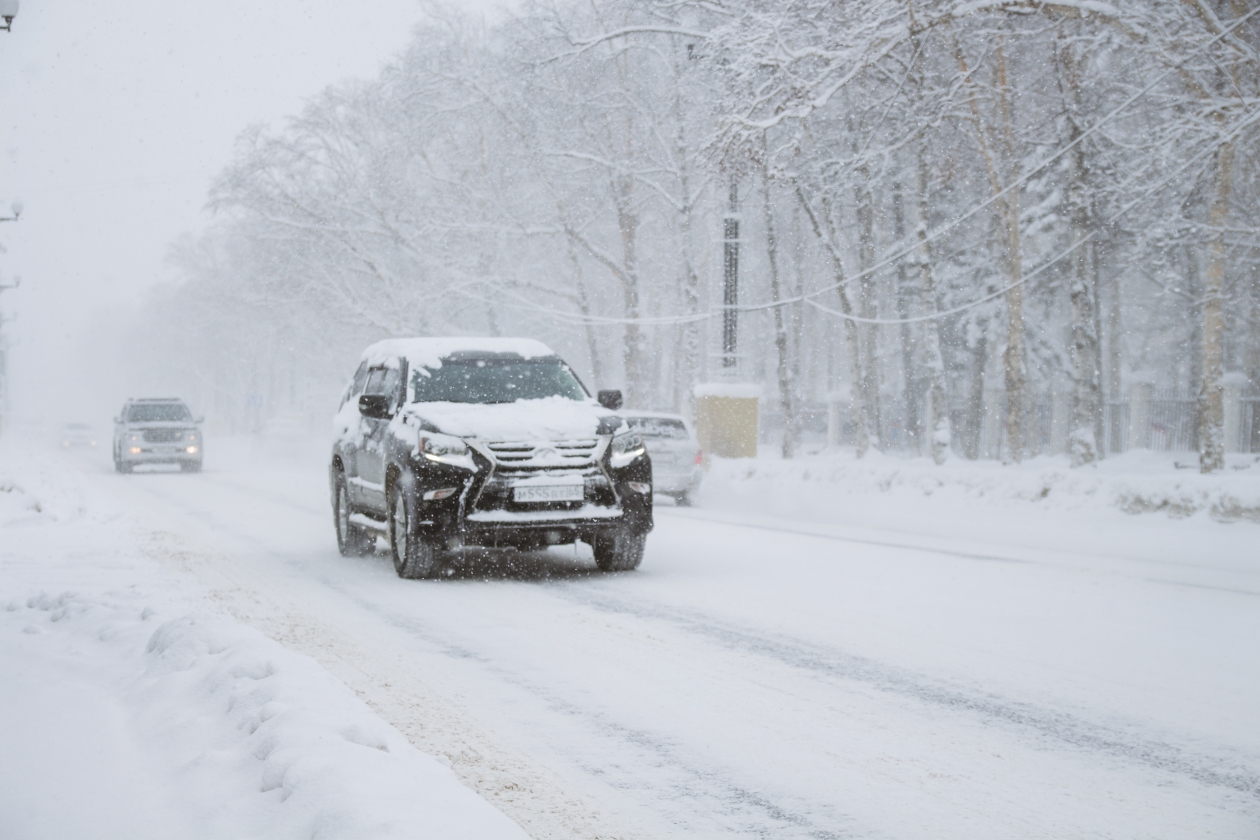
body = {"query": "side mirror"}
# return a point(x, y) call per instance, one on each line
point(375, 406)
point(610, 399)
point(200, 418)
point(118, 419)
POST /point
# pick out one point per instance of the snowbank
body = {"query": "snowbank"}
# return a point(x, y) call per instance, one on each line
point(248, 738)
point(1136, 482)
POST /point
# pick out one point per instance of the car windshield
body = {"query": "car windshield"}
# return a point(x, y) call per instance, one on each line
point(658, 427)
point(495, 381)
point(158, 413)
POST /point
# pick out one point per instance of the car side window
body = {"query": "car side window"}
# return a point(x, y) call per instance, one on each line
point(375, 382)
point(389, 385)
point(355, 388)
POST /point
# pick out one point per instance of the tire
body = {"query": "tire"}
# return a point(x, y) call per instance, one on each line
point(351, 541)
point(190, 466)
point(620, 550)
point(683, 499)
point(414, 557)
point(122, 466)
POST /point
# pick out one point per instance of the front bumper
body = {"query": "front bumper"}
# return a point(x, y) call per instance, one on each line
point(160, 453)
point(484, 513)
point(680, 481)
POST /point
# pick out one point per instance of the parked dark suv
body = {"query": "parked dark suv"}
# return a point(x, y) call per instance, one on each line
point(443, 443)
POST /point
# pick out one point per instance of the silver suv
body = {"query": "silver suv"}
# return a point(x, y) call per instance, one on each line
point(157, 431)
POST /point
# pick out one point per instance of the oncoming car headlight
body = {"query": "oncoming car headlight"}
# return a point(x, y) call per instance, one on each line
point(625, 448)
point(445, 449)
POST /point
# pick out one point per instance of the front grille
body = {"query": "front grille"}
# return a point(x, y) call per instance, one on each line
point(515, 460)
point(163, 435)
point(534, 455)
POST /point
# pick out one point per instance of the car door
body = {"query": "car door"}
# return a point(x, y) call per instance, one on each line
point(370, 458)
point(349, 434)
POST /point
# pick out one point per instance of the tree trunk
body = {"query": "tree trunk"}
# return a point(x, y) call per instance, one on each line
point(861, 432)
point(1015, 356)
point(584, 306)
point(869, 382)
point(909, 369)
point(1086, 377)
point(1211, 407)
point(936, 419)
point(975, 400)
point(632, 348)
point(783, 370)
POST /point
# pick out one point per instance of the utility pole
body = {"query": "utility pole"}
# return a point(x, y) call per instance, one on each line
point(4, 344)
point(4, 360)
point(730, 284)
point(8, 11)
point(726, 411)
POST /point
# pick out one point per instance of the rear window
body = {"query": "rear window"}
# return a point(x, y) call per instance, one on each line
point(658, 427)
point(158, 413)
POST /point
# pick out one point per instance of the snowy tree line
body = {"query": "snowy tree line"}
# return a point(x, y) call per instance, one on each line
point(936, 200)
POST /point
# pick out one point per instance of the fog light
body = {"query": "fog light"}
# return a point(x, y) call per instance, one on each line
point(190, 450)
point(135, 450)
point(436, 495)
point(640, 487)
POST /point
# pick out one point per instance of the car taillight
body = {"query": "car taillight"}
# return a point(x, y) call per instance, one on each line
point(699, 458)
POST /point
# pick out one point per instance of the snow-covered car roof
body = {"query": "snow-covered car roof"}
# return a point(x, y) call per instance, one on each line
point(429, 352)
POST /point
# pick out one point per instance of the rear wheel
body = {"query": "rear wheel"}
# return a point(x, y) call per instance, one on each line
point(683, 499)
point(620, 550)
point(352, 541)
point(414, 557)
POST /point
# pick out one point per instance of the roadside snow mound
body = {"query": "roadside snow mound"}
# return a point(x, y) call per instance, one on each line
point(15, 503)
point(273, 745)
point(1136, 482)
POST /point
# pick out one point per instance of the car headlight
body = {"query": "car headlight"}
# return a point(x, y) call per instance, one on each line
point(192, 436)
point(133, 438)
point(625, 448)
point(445, 449)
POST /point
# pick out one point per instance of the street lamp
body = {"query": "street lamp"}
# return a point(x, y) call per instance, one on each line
point(8, 11)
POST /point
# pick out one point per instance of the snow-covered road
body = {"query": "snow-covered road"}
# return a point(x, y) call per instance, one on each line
point(770, 677)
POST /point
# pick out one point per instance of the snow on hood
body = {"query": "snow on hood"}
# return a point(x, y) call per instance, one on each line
point(429, 352)
point(552, 418)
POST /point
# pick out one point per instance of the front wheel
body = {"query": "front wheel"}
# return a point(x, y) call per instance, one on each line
point(413, 557)
point(190, 466)
point(620, 550)
point(351, 540)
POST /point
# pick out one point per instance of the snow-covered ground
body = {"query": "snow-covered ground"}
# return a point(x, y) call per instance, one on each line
point(819, 649)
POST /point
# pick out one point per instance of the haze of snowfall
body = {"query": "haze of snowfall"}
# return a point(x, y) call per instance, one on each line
point(945, 213)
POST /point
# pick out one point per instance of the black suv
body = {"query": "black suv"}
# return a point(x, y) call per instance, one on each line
point(444, 443)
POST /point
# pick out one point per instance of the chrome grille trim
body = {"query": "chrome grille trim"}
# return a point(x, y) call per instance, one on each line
point(544, 454)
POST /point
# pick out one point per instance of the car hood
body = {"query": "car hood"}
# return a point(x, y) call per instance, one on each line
point(553, 418)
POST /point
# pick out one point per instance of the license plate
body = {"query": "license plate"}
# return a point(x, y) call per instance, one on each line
point(548, 493)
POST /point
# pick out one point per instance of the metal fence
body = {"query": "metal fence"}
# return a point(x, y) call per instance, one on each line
point(1158, 421)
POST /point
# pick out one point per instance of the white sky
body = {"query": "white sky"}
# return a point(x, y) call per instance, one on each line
point(117, 116)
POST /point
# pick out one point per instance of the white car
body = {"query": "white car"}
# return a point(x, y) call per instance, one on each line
point(77, 434)
point(675, 452)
